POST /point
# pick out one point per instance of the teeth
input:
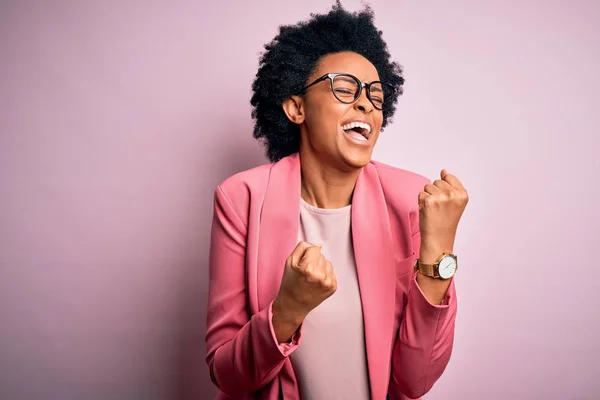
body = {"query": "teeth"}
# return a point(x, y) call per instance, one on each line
point(362, 125)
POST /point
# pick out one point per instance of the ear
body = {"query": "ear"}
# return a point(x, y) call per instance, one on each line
point(293, 107)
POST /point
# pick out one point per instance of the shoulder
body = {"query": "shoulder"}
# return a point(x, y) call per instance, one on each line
point(242, 181)
point(239, 189)
point(255, 180)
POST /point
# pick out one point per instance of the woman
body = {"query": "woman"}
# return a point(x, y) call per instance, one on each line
point(330, 274)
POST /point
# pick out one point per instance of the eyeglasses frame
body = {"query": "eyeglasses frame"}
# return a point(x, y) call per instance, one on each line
point(361, 85)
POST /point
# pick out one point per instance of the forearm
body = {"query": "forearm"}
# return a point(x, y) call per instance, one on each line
point(424, 344)
point(250, 359)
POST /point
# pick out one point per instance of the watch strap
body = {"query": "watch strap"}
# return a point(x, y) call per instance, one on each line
point(430, 270)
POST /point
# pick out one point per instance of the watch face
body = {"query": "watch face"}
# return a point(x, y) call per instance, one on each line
point(447, 267)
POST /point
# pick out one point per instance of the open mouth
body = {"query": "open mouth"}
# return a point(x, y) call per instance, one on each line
point(358, 130)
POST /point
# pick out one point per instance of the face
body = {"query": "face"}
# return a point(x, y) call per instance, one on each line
point(331, 131)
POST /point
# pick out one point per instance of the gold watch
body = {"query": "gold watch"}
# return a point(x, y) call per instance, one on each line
point(444, 268)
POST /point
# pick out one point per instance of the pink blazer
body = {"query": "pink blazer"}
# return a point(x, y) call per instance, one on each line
point(255, 227)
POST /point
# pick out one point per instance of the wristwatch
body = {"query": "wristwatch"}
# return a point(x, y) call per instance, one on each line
point(444, 268)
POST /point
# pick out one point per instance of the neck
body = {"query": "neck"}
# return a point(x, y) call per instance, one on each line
point(324, 185)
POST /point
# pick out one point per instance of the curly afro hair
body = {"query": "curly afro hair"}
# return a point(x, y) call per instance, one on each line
point(291, 57)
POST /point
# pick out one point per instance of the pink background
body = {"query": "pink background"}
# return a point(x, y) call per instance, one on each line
point(118, 120)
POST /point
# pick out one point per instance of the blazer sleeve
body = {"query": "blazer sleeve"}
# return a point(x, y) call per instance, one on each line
point(242, 351)
point(425, 339)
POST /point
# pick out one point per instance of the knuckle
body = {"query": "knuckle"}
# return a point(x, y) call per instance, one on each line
point(309, 273)
point(333, 286)
point(319, 277)
point(311, 264)
point(299, 267)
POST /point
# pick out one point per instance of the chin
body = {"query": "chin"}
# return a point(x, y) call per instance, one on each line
point(357, 161)
point(356, 154)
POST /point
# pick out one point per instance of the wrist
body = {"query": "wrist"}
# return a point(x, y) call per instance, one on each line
point(431, 252)
point(285, 313)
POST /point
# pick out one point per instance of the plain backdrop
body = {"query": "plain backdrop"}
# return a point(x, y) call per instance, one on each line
point(119, 118)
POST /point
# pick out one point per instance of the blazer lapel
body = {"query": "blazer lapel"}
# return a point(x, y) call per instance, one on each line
point(371, 234)
point(278, 232)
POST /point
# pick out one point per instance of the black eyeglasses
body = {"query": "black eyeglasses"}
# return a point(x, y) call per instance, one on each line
point(348, 88)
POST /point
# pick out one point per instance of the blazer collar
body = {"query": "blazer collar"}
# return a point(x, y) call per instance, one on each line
point(279, 222)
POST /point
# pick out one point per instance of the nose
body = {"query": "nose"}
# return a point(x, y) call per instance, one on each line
point(363, 103)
